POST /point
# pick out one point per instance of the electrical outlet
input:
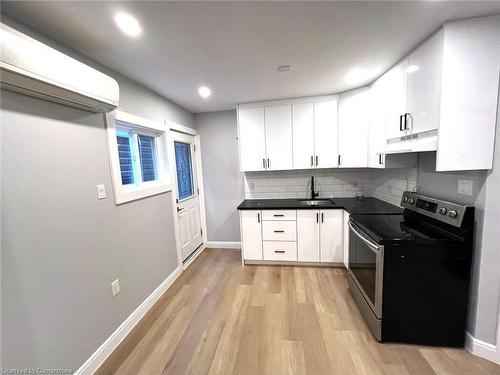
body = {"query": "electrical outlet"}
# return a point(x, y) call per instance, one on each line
point(465, 187)
point(115, 287)
point(101, 191)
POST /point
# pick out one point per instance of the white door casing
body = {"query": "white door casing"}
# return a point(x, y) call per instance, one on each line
point(188, 205)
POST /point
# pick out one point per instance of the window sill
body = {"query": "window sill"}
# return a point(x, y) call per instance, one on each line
point(128, 194)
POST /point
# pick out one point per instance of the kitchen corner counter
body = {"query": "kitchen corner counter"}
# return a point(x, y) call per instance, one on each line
point(366, 206)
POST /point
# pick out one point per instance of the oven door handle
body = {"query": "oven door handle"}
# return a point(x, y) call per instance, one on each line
point(371, 245)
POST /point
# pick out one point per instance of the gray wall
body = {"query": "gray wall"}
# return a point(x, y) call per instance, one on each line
point(223, 182)
point(61, 247)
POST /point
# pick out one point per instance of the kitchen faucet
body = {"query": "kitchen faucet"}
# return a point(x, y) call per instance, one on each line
point(314, 194)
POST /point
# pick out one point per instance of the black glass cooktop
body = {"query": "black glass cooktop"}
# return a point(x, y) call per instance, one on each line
point(395, 228)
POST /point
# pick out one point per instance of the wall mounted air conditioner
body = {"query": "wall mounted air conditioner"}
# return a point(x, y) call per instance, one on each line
point(33, 68)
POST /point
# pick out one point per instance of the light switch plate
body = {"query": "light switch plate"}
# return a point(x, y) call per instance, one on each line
point(101, 191)
point(465, 187)
point(115, 287)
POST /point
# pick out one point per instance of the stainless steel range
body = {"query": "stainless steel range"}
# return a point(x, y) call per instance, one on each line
point(409, 273)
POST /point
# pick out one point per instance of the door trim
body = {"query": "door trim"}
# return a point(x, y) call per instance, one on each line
point(199, 185)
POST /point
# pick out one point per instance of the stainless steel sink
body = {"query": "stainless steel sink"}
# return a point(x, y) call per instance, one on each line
point(316, 202)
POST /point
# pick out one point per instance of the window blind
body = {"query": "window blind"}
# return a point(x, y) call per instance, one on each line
point(125, 155)
point(147, 157)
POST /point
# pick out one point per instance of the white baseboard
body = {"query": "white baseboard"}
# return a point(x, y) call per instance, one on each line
point(482, 349)
point(112, 342)
point(224, 245)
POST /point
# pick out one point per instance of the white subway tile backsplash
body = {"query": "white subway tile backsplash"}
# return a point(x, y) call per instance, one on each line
point(385, 184)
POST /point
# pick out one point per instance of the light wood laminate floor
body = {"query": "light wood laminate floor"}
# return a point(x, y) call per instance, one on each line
point(222, 318)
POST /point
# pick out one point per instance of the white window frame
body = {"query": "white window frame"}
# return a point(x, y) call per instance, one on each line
point(138, 125)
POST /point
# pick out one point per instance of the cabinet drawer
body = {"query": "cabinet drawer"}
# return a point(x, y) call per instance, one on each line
point(279, 230)
point(279, 215)
point(286, 251)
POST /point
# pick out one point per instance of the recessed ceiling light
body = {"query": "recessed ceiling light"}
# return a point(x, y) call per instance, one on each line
point(283, 68)
point(128, 24)
point(412, 68)
point(204, 91)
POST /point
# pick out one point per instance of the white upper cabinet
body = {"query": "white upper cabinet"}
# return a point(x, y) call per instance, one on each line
point(278, 125)
point(326, 134)
point(354, 113)
point(469, 94)
point(303, 135)
point(395, 96)
point(252, 140)
point(288, 134)
point(424, 85)
point(376, 131)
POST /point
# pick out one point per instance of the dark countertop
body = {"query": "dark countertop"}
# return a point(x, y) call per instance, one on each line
point(366, 206)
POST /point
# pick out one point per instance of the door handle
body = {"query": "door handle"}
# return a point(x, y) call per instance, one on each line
point(179, 209)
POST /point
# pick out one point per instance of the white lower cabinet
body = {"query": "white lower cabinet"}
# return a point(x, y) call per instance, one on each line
point(308, 235)
point(300, 236)
point(251, 234)
point(280, 250)
point(320, 236)
point(346, 239)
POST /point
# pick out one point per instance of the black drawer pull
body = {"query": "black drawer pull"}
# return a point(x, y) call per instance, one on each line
point(279, 231)
point(278, 215)
point(279, 251)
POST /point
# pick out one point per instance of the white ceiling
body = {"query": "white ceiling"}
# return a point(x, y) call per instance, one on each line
point(235, 48)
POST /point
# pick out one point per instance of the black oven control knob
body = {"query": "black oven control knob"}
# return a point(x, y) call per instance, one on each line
point(412, 201)
point(405, 199)
point(443, 210)
point(452, 213)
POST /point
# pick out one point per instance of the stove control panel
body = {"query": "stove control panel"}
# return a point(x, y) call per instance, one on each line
point(441, 210)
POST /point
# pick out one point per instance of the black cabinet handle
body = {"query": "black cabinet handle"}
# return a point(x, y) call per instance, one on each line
point(268, 163)
point(264, 163)
point(317, 160)
point(278, 215)
point(258, 217)
point(380, 158)
point(279, 231)
point(322, 217)
point(406, 115)
point(340, 160)
point(279, 251)
point(401, 123)
point(317, 217)
point(312, 161)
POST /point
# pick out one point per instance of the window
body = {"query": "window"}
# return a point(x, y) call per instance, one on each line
point(138, 154)
point(184, 169)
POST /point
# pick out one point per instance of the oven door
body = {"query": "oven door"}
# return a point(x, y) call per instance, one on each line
point(366, 262)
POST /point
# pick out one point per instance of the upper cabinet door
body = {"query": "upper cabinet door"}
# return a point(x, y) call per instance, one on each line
point(326, 134)
point(354, 112)
point(252, 139)
point(376, 133)
point(424, 85)
point(396, 100)
point(303, 135)
point(279, 137)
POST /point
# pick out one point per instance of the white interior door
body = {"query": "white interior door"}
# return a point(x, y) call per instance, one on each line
point(188, 207)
